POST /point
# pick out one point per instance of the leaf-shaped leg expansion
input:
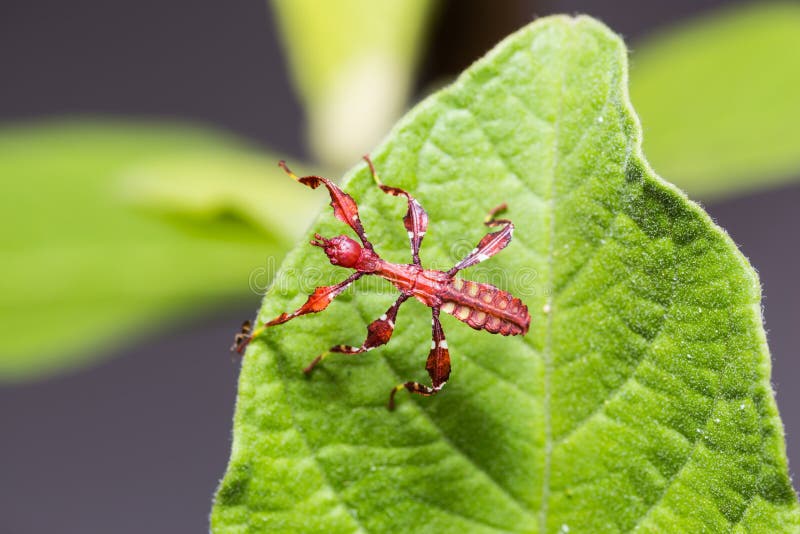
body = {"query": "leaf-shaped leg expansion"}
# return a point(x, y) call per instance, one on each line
point(490, 244)
point(415, 219)
point(379, 332)
point(438, 365)
point(344, 207)
point(317, 301)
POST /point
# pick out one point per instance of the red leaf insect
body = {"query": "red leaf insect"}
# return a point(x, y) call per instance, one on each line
point(481, 306)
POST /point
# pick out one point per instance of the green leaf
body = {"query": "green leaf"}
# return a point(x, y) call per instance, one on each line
point(209, 185)
point(718, 99)
point(640, 397)
point(94, 247)
point(352, 62)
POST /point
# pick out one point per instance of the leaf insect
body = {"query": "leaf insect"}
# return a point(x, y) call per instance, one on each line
point(481, 306)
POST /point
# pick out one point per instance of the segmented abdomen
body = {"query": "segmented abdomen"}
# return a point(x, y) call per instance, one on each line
point(484, 307)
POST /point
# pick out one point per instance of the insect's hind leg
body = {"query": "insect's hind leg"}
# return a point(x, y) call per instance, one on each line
point(438, 365)
point(491, 217)
point(413, 387)
point(379, 332)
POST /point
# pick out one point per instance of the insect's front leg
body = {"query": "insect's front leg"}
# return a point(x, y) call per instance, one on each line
point(317, 301)
point(415, 219)
point(379, 332)
point(438, 365)
point(344, 207)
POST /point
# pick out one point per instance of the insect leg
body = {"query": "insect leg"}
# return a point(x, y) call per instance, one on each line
point(379, 332)
point(438, 365)
point(344, 207)
point(415, 219)
point(491, 244)
point(317, 301)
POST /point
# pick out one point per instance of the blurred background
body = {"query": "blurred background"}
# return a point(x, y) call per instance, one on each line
point(143, 213)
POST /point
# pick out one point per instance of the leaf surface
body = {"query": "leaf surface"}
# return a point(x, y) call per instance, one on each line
point(640, 398)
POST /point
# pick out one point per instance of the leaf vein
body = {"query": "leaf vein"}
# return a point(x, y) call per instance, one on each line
point(311, 452)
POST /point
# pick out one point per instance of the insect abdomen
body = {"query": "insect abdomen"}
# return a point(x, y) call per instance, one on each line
point(485, 307)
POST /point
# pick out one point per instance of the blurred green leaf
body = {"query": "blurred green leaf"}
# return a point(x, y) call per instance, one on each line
point(207, 186)
point(352, 63)
point(640, 398)
point(718, 97)
point(112, 227)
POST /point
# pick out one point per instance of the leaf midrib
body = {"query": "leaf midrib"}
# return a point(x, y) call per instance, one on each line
point(547, 353)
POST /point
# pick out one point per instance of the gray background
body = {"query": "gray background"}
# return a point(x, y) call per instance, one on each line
point(138, 442)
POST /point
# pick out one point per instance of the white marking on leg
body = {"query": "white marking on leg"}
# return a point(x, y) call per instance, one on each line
point(383, 317)
point(482, 257)
point(433, 344)
point(443, 344)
